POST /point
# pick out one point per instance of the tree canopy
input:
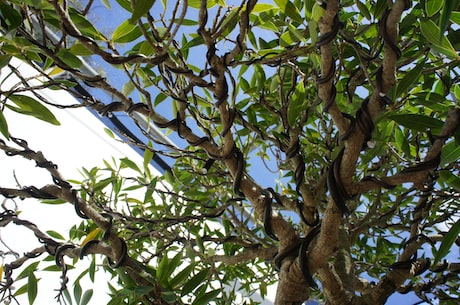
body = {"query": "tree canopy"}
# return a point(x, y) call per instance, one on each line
point(316, 146)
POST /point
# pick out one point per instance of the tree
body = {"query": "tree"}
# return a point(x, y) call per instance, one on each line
point(349, 108)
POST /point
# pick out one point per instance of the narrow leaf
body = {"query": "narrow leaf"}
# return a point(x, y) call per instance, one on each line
point(106, 3)
point(86, 297)
point(418, 122)
point(29, 269)
point(181, 276)
point(148, 156)
point(364, 10)
point(53, 201)
point(140, 9)
point(174, 263)
point(206, 298)
point(92, 269)
point(21, 290)
point(450, 153)
point(317, 12)
point(55, 234)
point(91, 235)
point(454, 17)
point(129, 163)
point(433, 6)
point(412, 76)
point(4, 126)
point(450, 179)
point(447, 10)
point(30, 106)
point(32, 288)
point(109, 133)
point(169, 296)
point(162, 271)
point(126, 32)
point(77, 291)
point(194, 281)
point(447, 242)
point(11, 17)
point(296, 104)
point(262, 7)
point(69, 58)
point(290, 10)
point(4, 60)
point(432, 33)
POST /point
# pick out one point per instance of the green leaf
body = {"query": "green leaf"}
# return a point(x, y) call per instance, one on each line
point(196, 280)
point(84, 26)
point(454, 17)
point(92, 269)
point(77, 291)
point(197, 3)
point(159, 98)
point(11, 17)
point(21, 290)
point(126, 32)
point(418, 122)
point(379, 8)
point(4, 126)
point(109, 132)
point(174, 262)
point(364, 10)
point(447, 242)
point(207, 297)
point(4, 60)
point(450, 179)
point(262, 7)
point(140, 291)
point(69, 58)
point(80, 50)
point(289, 9)
point(450, 153)
point(401, 141)
point(162, 270)
point(193, 43)
point(169, 296)
point(298, 34)
point(67, 296)
point(53, 201)
point(86, 297)
point(148, 156)
point(433, 6)
point(412, 76)
point(130, 164)
point(29, 269)
point(313, 30)
point(128, 88)
point(55, 234)
point(106, 3)
point(296, 104)
point(141, 8)
point(32, 288)
point(181, 276)
point(317, 12)
point(30, 106)
point(432, 33)
point(100, 185)
point(126, 4)
point(447, 11)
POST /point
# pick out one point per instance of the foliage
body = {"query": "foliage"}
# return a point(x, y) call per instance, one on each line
point(313, 138)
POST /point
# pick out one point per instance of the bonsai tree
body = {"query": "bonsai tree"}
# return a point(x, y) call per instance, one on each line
point(316, 146)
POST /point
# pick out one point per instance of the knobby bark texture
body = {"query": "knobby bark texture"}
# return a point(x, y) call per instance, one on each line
point(317, 251)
